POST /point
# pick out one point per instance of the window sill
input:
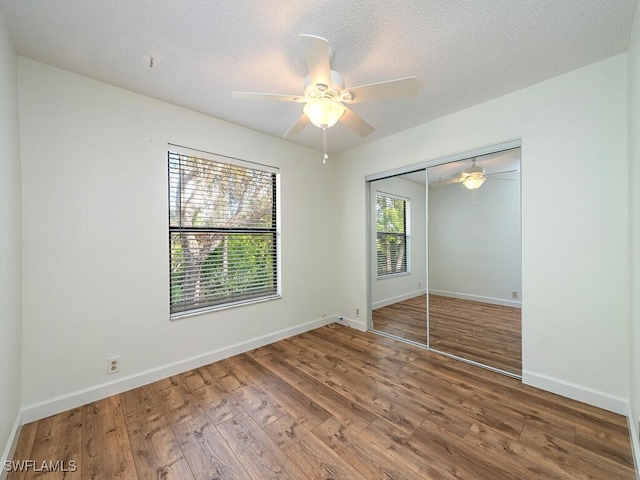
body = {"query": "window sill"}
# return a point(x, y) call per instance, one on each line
point(393, 275)
point(217, 308)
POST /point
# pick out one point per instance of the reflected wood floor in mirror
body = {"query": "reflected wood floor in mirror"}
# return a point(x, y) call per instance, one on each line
point(482, 332)
point(407, 319)
point(333, 403)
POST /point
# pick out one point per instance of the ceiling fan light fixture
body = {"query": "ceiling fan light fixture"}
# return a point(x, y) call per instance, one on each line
point(324, 112)
point(474, 180)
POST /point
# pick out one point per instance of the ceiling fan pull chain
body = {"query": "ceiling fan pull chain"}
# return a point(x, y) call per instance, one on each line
point(324, 145)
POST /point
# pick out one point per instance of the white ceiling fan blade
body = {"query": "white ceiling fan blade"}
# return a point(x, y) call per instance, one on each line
point(297, 127)
point(447, 182)
point(278, 97)
point(316, 53)
point(355, 123)
point(501, 179)
point(500, 173)
point(402, 87)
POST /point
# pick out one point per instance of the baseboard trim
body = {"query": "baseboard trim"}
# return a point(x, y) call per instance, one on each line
point(398, 298)
point(59, 404)
point(477, 298)
point(12, 443)
point(635, 441)
point(576, 392)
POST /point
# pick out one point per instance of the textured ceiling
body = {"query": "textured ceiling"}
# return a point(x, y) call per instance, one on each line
point(463, 52)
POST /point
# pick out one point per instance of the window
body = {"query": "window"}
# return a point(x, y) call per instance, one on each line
point(223, 231)
point(392, 236)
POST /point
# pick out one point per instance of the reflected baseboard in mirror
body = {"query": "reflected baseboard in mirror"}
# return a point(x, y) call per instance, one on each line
point(483, 333)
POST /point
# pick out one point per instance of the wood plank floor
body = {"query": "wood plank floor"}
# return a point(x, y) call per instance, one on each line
point(482, 332)
point(333, 403)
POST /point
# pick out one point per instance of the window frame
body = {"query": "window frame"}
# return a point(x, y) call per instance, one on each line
point(406, 235)
point(273, 230)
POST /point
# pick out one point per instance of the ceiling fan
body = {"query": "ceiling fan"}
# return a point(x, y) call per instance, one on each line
point(325, 95)
point(472, 177)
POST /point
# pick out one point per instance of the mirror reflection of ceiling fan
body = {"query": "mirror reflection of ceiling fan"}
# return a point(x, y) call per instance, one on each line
point(325, 95)
point(472, 177)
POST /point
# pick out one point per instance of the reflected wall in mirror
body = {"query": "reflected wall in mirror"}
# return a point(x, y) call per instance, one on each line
point(399, 274)
point(475, 260)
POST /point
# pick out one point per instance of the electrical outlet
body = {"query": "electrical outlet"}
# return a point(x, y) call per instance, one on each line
point(113, 365)
point(514, 294)
point(357, 313)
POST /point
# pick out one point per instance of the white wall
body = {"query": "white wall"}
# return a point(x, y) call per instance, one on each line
point(474, 245)
point(96, 236)
point(574, 218)
point(386, 291)
point(10, 242)
point(634, 181)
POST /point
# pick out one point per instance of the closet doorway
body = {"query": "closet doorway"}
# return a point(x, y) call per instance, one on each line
point(446, 258)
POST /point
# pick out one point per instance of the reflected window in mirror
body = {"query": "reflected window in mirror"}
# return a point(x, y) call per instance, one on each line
point(392, 234)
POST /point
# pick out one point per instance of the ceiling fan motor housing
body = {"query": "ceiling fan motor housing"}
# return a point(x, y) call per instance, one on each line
point(319, 90)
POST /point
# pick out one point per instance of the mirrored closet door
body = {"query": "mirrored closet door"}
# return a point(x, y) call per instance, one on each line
point(475, 260)
point(399, 249)
point(446, 259)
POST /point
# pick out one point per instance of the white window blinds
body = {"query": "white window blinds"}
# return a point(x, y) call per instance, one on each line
point(222, 232)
